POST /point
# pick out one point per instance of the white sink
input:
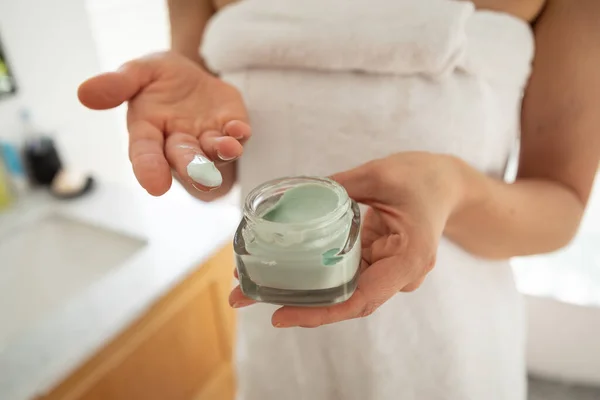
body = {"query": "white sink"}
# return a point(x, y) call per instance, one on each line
point(46, 260)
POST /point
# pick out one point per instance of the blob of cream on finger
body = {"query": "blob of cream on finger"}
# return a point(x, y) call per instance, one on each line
point(204, 172)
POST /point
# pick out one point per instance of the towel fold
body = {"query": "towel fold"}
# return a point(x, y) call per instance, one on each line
point(431, 38)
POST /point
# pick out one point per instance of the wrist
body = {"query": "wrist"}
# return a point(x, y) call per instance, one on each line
point(191, 53)
point(469, 188)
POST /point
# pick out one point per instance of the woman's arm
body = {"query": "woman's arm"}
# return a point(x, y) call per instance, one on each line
point(414, 197)
point(188, 19)
point(560, 147)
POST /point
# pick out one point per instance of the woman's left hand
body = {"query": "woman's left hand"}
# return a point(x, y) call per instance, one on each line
point(410, 198)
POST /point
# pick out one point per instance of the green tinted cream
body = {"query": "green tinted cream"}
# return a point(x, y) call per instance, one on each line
point(303, 203)
point(299, 236)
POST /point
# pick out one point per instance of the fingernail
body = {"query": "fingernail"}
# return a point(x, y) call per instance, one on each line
point(240, 304)
point(203, 171)
point(203, 188)
point(283, 325)
point(222, 157)
point(239, 136)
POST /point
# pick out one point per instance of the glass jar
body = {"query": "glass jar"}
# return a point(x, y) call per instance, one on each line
point(299, 243)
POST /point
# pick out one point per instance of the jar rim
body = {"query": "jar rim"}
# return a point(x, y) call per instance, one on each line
point(253, 199)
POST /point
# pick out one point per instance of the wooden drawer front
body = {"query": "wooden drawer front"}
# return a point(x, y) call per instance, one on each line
point(179, 350)
point(171, 363)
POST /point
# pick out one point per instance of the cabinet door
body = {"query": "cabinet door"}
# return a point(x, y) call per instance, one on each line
point(180, 350)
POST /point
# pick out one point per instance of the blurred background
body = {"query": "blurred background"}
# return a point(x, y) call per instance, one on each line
point(88, 309)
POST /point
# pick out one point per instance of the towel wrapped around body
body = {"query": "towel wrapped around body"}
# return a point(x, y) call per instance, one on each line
point(331, 84)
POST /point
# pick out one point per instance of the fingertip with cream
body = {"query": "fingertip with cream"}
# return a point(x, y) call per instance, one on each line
point(204, 172)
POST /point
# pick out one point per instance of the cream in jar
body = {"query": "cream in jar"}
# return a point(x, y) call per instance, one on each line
point(299, 243)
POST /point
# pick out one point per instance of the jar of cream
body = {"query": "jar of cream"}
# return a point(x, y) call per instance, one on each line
point(299, 243)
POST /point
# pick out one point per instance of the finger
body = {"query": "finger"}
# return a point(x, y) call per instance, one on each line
point(149, 164)
point(312, 317)
point(411, 287)
point(238, 130)
point(236, 274)
point(377, 284)
point(366, 258)
point(238, 300)
point(362, 182)
point(373, 227)
point(190, 163)
point(388, 246)
point(111, 89)
point(221, 149)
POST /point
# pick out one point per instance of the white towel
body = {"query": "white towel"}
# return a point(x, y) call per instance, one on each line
point(405, 68)
point(330, 84)
point(431, 37)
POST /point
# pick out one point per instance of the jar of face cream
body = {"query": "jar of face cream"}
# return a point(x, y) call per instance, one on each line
point(299, 243)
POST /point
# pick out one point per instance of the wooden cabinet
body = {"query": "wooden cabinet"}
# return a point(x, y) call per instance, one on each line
point(181, 349)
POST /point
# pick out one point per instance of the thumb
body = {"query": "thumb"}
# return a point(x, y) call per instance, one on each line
point(362, 183)
point(111, 89)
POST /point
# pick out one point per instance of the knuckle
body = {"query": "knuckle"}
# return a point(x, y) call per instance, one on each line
point(378, 176)
point(411, 287)
point(429, 265)
point(368, 309)
point(309, 325)
point(363, 305)
point(136, 65)
point(424, 251)
point(317, 321)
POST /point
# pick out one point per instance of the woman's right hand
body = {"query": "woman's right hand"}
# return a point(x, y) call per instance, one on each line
point(177, 113)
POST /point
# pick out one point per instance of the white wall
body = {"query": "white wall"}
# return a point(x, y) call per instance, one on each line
point(563, 305)
point(124, 30)
point(51, 49)
point(563, 341)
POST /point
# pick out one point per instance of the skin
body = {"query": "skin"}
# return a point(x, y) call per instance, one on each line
point(170, 119)
point(441, 195)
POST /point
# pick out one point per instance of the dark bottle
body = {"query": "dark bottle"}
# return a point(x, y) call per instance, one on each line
point(42, 160)
point(40, 154)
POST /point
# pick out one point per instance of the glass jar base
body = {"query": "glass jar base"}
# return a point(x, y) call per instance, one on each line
point(298, 298)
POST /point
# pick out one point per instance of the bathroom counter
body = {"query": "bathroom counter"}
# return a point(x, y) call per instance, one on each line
point(174, 234)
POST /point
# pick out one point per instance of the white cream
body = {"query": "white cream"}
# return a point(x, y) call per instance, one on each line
point(204, 172)
point(304, 241)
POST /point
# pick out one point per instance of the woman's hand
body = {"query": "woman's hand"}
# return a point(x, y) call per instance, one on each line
point(410, 198)
point(177, 113)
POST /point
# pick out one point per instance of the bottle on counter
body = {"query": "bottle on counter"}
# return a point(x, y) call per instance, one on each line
point(6, 197)
point(41, 156)
point(14, 167)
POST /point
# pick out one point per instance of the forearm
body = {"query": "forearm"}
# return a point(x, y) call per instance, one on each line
point(498, 220)
point(188, 19)
point(560, 146)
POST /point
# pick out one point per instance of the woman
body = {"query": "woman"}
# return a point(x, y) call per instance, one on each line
point(426, 95)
